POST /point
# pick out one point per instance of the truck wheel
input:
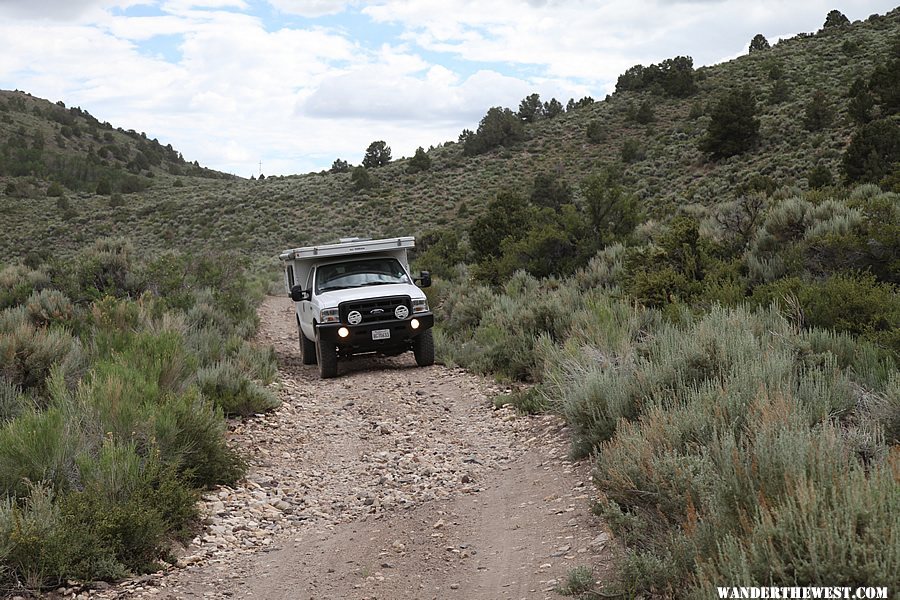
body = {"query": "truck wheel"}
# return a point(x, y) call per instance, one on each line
point(307, 349)
point(326, 353)
point(423, 348)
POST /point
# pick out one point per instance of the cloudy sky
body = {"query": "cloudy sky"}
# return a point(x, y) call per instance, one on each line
point(295, 84)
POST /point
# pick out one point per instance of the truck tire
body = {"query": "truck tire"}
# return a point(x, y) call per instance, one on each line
point(307, 349)
point(326, 354)
point(423, 348)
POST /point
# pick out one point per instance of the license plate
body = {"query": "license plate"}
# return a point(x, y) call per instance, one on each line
point(381, 334)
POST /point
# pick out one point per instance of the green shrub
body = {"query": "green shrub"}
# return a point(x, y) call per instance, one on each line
point(126, 511)
point(12, 402)
point(104, 188)
point(440, 251)
point(855, 303)
point(528, 400)
point(462, 307)
point(185, 429)
point(707, 425)
point(361, 180)
point(885, 410)
point(36, 447)
point(819, 177)
point(17, 283)
point(672, 271)
point(190, 431)
point(105, 437)
point(121, 521)
point(106, 268)
point(131, 184)
point(26, 531)
point(233, 391)
point(579, 581)
point(632, 151)
point(596, 132)
point(836, 532)
point(27, 354)
point(257, 362)
point(603, 270)
point(50, 307)
point(160, 358)
point(55, 190)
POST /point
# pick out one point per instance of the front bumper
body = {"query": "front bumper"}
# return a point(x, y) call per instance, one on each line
point(360, 338)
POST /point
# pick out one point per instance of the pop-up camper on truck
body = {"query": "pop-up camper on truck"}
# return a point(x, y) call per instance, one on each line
point(358, 297)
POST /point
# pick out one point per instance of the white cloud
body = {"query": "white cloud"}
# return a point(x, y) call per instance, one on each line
point(56, 10)
point(184, 5)
point(310, 8)
point(378, 94)
point(596, 41)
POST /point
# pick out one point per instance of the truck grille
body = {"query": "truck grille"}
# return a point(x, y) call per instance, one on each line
point(374, 310)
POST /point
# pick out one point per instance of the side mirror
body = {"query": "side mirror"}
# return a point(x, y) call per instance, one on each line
point(424, 279)
point(298, 294)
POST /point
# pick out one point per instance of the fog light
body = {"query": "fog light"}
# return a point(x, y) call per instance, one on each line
point(343, 332)
point(414, 323)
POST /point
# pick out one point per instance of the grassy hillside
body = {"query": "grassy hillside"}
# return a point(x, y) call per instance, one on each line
point(69, 145)
point(662, 163)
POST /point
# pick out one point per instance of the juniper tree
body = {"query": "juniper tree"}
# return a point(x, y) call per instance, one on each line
point(734, 127)
point(531, 109)
point(759, 43)
point(378, 154)
point(552, 108)
point(835, 18)
point(819, 113)
point(339, 166)
point(360, 179)
point(419, 162)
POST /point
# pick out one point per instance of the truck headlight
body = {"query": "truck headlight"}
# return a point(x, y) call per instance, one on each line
point(420, 305)
point(329, 315)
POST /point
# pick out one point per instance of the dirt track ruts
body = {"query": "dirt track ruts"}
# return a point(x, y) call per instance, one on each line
point(391, 482)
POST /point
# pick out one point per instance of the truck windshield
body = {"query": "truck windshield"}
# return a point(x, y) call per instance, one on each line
point(359, 273)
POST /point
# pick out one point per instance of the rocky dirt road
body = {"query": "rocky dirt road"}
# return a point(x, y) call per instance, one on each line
point(389, 482)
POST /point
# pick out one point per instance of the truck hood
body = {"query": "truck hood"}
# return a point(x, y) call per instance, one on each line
point(334, 298)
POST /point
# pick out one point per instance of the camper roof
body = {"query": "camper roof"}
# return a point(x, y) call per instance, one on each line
point(349, 247)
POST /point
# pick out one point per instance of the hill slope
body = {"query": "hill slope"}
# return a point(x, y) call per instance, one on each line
point(662, 163)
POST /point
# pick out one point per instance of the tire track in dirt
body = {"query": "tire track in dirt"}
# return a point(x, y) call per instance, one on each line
point(390, 481)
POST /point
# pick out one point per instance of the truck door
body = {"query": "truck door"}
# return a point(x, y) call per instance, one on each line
point(307, 308)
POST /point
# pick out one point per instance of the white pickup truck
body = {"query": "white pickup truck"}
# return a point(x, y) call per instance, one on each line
point(358, 297)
